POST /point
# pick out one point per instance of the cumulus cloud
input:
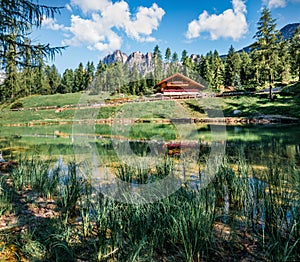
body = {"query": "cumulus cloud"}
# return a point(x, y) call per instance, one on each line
point(105, 19)
point(275, 3)
point(52, 24)
point(278, 3)
point(146, 20)
point(91, 5)
point(230, 24)
point(93, 33)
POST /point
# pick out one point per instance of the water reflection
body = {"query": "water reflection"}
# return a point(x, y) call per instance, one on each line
point(257, 144)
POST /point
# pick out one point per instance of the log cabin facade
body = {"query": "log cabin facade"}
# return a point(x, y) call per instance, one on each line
point(179, 86)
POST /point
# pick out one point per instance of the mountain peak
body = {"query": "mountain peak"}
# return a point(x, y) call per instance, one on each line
point(143, 62)
point(116, 56)
point(289, 30)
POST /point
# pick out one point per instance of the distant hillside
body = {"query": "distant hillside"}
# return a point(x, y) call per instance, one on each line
point(287, 32)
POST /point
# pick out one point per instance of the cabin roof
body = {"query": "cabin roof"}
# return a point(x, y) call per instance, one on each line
point(178, 75)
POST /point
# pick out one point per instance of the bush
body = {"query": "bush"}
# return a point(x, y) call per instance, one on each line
point(16, 105)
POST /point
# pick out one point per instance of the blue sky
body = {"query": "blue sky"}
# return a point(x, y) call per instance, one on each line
point(93, 28)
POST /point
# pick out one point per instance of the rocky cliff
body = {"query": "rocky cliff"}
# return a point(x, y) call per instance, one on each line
point(116, 56)
point(143, 62)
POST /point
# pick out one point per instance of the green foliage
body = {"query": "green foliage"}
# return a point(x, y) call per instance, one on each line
point(168, 54)
point(266, 49)
point(16, 50)
point(66, 83)
point(220, 220)
point(232, 66)
point(71, 190)
point(295, 54)
point(16, 105)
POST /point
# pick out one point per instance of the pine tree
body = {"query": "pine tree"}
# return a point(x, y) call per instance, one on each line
point(174, 58)
point(232, 66)
point(79, 78)
point(40, 85)
point(66, 83)
point(168, 54)
point(266, 46)
point(53, 78)
point(11, 85)
point(183, 56)
point(283, 65)
point(245, 69)
point(218, 71)
point(202, 67)
point(101, 67)
point(18, 17)
point(295, 53)
point(173, 66)
point(119, 77)
point(26, 75)
point(208, 69)
point(134, 84)
point(89, 74)
point(158, 65)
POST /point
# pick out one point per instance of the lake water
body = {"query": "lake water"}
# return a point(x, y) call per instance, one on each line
point(259, 145)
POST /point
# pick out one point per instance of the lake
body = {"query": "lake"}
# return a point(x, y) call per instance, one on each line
point(258, 145)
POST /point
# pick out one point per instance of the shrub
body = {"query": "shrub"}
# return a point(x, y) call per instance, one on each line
point(16, 105)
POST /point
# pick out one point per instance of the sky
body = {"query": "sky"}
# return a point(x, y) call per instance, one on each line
point(91, 29)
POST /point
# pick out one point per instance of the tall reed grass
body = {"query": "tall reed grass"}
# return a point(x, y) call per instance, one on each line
point(252, 208)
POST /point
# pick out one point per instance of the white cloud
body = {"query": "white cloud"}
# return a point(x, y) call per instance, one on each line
point(147, 20)
point(230, 24)
point(275, 3)
point(93, 33)
point(99, 30)
point(91, 5)
point(278, 3)
point(51, 24)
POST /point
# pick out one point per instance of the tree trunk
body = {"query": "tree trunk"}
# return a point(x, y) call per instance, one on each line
point(271, 83)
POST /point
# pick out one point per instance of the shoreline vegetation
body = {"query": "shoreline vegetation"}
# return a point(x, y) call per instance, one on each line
point(53, 214)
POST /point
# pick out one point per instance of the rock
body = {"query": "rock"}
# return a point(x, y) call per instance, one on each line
point(143, 62)
point(237, 112)
point(116, 56)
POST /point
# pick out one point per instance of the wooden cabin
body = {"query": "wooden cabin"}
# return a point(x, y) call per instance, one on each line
point(178, 86)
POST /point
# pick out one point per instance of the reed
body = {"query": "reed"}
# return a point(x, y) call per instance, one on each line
point(248, 205)
point(71, 187)
point(34, 174)
point(6, 197)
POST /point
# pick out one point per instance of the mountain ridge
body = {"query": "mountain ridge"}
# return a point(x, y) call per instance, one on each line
point(286, 32)
point(144, 62)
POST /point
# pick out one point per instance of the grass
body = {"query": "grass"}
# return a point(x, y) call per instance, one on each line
point(286, 104)
point(60, 100)
point(241, 214)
